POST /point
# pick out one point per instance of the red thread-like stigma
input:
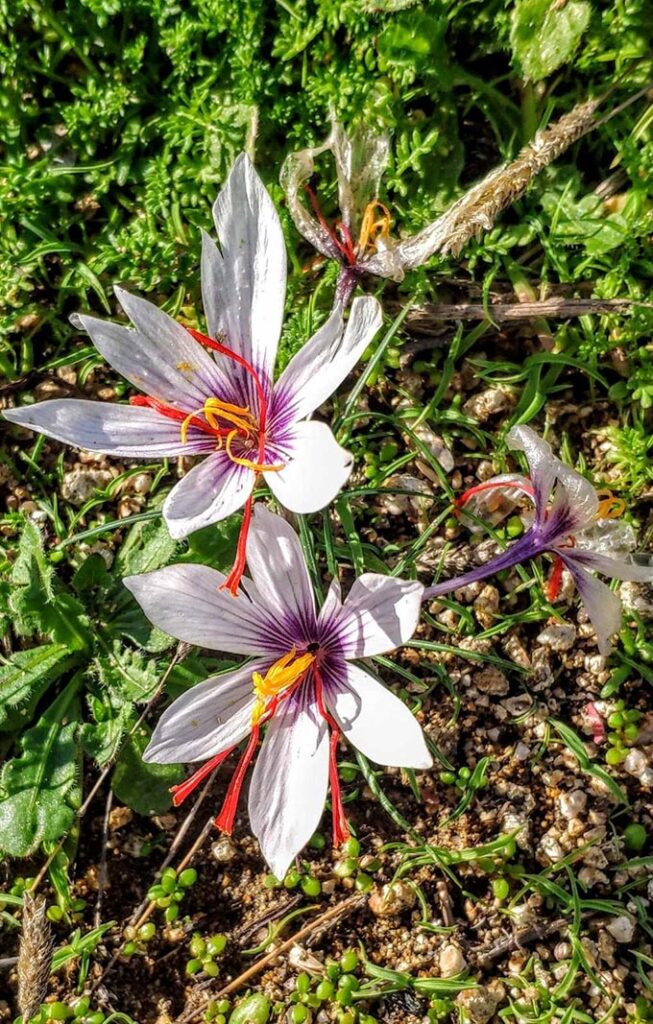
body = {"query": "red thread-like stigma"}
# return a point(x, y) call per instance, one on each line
point(340, 828)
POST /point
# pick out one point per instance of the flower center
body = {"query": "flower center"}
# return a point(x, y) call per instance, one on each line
point(372, 228)
point(288, 670)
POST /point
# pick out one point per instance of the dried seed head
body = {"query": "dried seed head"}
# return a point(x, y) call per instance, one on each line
point(34, 956)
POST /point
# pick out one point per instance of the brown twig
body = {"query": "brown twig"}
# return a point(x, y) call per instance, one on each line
point(102, 878)
point(326, 920)
point(485, 956)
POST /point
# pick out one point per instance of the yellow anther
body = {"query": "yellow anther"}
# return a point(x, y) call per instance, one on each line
point(288, 669)
point(611, 507)
point(258, 467)
point(371, 228)
point(214, 409)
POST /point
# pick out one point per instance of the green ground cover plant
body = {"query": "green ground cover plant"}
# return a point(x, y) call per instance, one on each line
point(119, 122)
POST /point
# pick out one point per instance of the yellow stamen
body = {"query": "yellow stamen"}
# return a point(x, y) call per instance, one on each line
point(611, 507)
point(258, 467)
point(371, 228)
point(215, 409)
point(288, 669)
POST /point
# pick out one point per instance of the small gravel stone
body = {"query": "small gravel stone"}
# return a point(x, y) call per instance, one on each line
point(223, 850)
point(80, 484)
point(487, 404)
point(621, 928)
point(551, 848)
point(491, 680)
point(572, 804)
point(559, 637)
point(480, 1005)
point(392, 899)
point(452, 961)
point(636, 762)
point(486, 606)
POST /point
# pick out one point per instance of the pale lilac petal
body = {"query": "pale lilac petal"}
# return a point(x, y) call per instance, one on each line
point(575, 499)
point(328, 357)
point(289, 783)
point(617, 568)
point(209, 492)
point(128, 431)
point(316, 468)
point(376, 722)
point(166, 364)
point(332, 606)
point(602, 605)
point(210, 717)
point(542, 463)
point(494, 503)
point(186, 602)
point(379, 614)
point(244, 281)
point(278, 567)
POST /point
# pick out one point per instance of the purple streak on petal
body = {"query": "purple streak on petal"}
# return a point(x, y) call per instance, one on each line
point(528, 546)
point(126, 431)
point(617, 568)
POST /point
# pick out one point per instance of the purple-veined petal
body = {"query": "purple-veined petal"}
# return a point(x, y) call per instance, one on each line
point(528, 546)
point(160, 357)
point(289, 782)
point(244, 281)
point(376, 722)
point(186, 602)
point(316, 468)
point(128, 431)
point(379, 614)
point(575, 500)
point(210, 717)
point(542, 463)
point(602, 605)
point(328, 357)
point(209, 492)
point(278, 568)
point(617, 568)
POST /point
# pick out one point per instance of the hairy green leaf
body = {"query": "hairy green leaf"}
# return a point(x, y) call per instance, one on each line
point(545, 33)
point(39, 788)
point(40, 604)
point(25, 677)
point(144, 787)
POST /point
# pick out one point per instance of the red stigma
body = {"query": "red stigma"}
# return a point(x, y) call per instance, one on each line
point(184, 789)
point(340, 235)
point(339, 826)
point(555, 579)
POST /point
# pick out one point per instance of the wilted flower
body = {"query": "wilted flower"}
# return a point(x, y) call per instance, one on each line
point(572, 522)
point(360, 241)
point(303, 682)
point(214, 394)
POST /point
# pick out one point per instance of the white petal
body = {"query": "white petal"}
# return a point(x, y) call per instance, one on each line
point(328, 357)
point(128, 431)
point(289, 782)
point(379, 614)
point(316, 469)
point(244, 282)
point(575, 496)
point(278, 567)
point(161, 359)
point(602, 605)
point(186, 602)
point(209, 718)
point(209, 492)
point(542, 463)
point(376, 722)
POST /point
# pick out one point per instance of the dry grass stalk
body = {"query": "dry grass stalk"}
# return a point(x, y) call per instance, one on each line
point(479, 208)
point(34, 956)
